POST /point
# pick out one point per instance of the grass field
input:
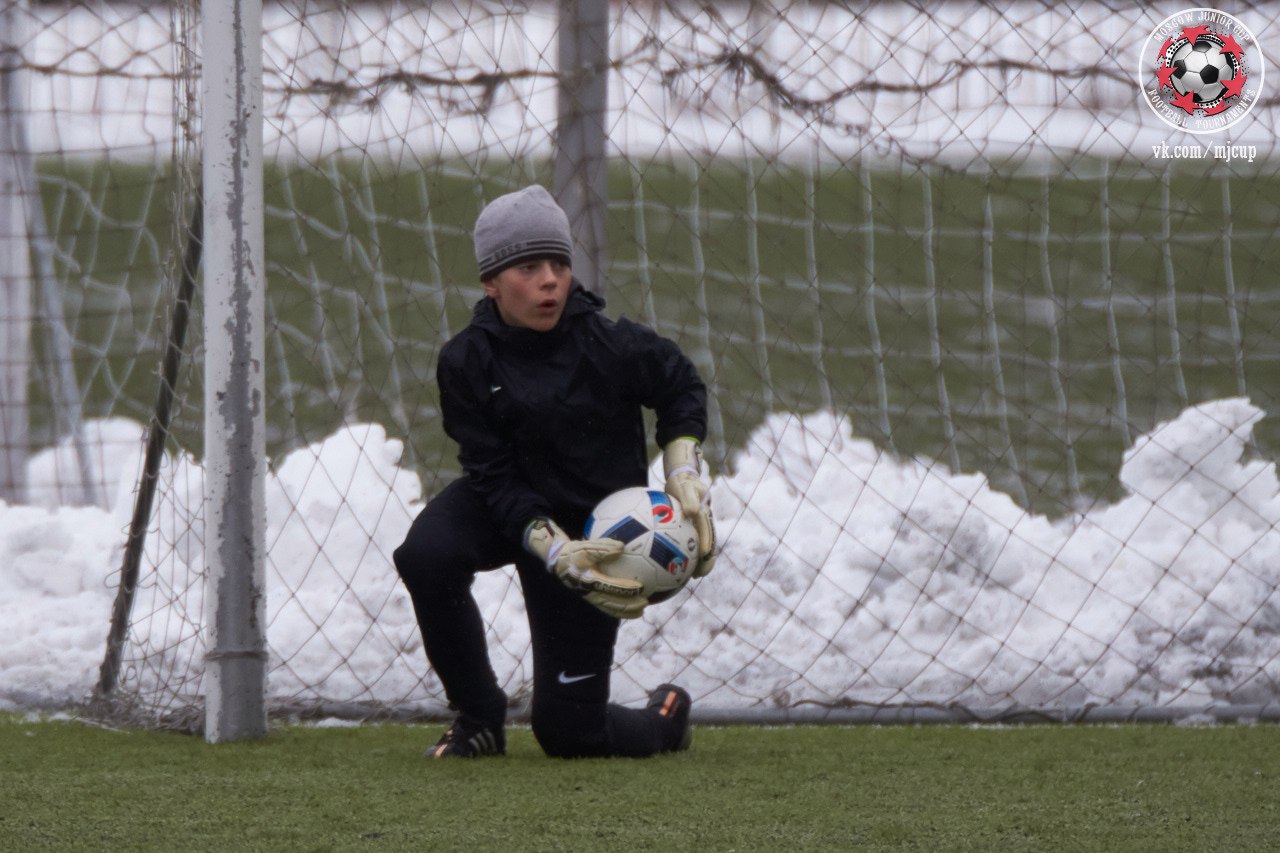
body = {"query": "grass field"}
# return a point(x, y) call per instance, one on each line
point(791, 290)
point(66, 786)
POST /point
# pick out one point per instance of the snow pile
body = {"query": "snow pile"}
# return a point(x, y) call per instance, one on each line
point(855, 575)
point(848, 575)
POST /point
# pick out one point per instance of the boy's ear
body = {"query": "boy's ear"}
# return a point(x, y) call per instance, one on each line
point(490, 289)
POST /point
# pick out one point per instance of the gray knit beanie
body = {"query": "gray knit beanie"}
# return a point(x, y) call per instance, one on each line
point(521, 226)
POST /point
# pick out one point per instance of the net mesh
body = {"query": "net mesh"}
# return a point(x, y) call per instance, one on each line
point(991, 348)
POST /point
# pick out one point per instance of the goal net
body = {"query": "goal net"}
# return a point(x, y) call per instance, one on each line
point(991, 347)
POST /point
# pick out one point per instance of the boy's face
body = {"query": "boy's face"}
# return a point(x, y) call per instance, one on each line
point(531, 295)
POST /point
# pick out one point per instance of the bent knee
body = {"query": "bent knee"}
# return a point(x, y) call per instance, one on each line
point(411, 564)
point(571, 732)
point(432, 571)
point(407, 559)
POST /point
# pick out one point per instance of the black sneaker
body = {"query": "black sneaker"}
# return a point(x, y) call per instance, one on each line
point(467, 738)
point(674, 703)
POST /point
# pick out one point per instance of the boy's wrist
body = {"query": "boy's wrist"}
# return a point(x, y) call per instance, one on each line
point(541, 538)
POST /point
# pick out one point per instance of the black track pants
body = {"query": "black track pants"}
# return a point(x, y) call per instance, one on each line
point(452, 539)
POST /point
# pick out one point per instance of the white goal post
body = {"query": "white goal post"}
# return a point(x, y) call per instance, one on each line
point(234, 393)
point(991, 347)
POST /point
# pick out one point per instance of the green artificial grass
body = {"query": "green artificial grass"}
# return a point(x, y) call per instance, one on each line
point(68, 786)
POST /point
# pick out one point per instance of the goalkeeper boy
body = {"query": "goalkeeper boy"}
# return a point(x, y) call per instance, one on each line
point(543, 395)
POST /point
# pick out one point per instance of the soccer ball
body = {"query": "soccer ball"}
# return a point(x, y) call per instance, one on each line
point(660, 545)
point(1201, 69)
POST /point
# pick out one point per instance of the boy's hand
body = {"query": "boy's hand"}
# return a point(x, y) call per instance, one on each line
point(576, 563)
point(682, 466)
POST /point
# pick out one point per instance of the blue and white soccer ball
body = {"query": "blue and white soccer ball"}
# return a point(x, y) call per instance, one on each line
point(1201, 68)
point(660, 545)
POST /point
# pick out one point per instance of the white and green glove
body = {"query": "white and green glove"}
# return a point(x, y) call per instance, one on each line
point(682, 466)
point(576, 563)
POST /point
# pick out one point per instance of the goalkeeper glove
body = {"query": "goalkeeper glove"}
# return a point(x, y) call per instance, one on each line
point(682, 466)
point(576, 563)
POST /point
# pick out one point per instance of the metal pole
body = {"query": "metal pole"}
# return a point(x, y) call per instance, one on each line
point(15, 274)
point(235, 445)
point(67, 399)
point(67, 396)
point(579, 178)
point(157, 436)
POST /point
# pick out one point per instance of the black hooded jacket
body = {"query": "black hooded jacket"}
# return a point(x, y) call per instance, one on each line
point(549, 423)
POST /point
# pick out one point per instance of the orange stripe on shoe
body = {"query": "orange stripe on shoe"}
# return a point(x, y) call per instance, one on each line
point(669, 706)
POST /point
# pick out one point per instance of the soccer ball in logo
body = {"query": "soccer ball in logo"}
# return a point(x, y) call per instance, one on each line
point(660, 545)
point(1201, 69)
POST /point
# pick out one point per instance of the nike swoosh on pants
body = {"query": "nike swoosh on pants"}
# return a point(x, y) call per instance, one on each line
point(566, 678)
